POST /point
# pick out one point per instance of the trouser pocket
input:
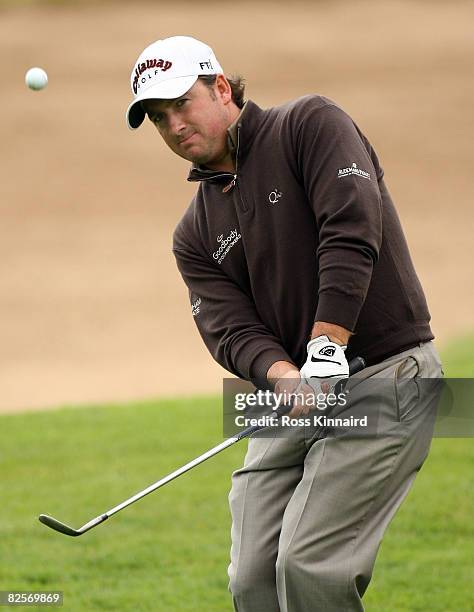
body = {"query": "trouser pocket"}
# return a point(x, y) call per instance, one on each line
point(407, 392)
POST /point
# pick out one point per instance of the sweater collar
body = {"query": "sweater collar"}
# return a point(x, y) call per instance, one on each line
point(240, 135)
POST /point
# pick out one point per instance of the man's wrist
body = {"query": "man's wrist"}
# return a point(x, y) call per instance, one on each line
point(280, 369)
point(335, 333)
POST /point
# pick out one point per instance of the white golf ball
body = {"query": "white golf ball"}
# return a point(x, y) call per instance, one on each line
point(36, 78)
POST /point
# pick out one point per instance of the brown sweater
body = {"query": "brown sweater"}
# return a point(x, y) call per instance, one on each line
point(306, 232)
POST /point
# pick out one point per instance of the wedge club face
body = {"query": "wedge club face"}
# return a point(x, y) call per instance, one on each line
point(53, 523)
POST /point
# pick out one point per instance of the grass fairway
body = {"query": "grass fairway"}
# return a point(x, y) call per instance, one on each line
point(169, 552)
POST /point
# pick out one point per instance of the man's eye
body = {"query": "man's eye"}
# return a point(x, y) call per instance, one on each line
point(181, 102)
point(156, 118)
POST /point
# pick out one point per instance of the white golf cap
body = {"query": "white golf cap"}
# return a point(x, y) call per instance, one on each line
point(167, 69)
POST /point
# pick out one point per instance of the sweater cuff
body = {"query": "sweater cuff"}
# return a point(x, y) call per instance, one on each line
point(262, 363)
point(339, 310)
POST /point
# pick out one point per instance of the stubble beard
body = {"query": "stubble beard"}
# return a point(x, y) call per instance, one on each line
point(209, 156)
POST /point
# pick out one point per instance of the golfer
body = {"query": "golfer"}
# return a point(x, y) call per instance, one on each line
point(295, 262)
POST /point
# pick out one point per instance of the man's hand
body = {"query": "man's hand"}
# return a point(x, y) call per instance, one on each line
point(285, 378)
point(326, 360)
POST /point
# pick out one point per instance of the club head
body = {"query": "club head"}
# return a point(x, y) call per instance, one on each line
point(58, 526)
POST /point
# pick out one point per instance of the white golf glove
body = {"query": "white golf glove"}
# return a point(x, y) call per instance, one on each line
point(325, 360)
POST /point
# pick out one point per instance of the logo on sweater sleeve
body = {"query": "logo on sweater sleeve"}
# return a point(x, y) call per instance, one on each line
point(353, 170)
point(196, 307)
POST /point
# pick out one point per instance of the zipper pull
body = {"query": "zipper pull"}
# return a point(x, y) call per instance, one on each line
point(230, 185)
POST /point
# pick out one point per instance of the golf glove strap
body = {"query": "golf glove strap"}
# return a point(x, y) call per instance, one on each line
point(325, 360)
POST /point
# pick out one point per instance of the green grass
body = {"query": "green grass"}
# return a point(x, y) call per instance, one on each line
point(169, 552)
point(458, 357)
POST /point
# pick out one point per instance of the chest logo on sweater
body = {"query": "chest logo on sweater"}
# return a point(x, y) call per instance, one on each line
point(225, 244)
point(353, 170)
point(274, 196)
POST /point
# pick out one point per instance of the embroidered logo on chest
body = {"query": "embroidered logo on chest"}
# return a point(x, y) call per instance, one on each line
point(274, 196)
point(225, 245)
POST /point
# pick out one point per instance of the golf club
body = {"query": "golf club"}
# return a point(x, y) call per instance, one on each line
point(355, 365)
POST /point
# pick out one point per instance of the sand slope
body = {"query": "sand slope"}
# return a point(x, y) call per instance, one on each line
point(92, 308)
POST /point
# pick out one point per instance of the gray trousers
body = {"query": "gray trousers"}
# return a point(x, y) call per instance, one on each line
point(309, 509)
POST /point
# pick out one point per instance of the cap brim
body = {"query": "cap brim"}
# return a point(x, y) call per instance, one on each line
point(167, 90)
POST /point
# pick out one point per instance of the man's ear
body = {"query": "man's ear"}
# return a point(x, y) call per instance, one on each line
point(223, 88)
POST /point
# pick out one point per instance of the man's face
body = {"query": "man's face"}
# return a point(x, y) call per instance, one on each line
point(194, 125)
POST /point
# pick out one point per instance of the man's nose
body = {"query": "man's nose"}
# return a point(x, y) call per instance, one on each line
point(176, 124)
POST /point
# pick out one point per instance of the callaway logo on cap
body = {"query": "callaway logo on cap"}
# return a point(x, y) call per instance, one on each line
point(167, 69)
